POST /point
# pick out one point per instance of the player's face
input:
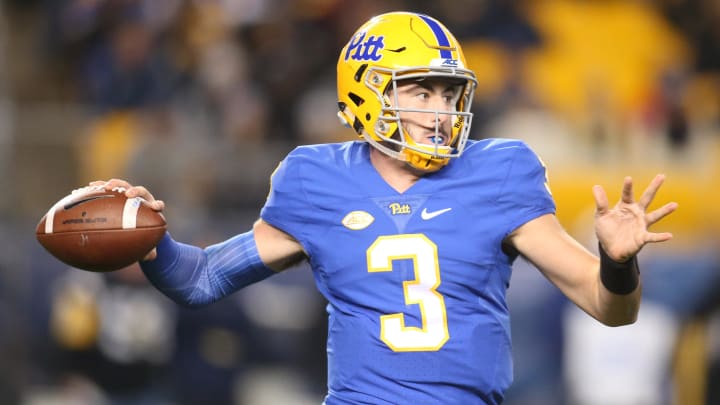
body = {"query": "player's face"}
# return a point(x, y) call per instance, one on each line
point(427, 127)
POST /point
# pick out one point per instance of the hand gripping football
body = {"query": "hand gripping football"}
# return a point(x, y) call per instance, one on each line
point(97, 230)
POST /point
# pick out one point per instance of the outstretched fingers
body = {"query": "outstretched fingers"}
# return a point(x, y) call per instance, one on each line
point(654, 237)
point(601, 200)
point(660, 213)
point(627, 191)
point(649, 194)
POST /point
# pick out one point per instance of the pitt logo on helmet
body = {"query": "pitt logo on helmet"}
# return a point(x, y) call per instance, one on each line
point(365, 50)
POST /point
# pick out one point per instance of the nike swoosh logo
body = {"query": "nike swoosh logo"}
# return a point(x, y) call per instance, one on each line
point(76, 203)
point(430, 215)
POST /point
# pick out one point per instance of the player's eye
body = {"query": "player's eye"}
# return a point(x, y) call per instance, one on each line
point(452, 97)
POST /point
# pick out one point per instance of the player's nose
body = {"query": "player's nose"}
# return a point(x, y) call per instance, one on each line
point(438, 102)
point(439, 105)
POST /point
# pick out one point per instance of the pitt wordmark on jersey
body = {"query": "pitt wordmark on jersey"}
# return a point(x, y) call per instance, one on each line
point(415, 281)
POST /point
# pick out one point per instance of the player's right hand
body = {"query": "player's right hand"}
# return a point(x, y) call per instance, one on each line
point(132, 192)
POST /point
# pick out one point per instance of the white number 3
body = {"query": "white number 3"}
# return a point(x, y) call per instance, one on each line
point(421, 291)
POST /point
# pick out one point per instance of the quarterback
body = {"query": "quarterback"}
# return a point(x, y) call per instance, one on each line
point(411, 231)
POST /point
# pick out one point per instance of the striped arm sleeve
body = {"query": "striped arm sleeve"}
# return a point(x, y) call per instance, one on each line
point(194, 277)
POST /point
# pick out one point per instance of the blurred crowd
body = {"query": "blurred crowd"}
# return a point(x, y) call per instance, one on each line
point(199, 100)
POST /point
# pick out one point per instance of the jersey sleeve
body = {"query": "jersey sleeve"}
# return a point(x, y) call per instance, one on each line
point(287, 206)
point(525, 193)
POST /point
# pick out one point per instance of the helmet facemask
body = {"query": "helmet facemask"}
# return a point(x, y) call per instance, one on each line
point(391, 135)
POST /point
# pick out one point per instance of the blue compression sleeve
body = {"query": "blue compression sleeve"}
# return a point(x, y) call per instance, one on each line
point(194, 277)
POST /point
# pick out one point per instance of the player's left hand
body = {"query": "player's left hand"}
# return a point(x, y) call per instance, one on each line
point(623, 230)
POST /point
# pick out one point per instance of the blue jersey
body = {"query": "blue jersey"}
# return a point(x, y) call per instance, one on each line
point(415, 281)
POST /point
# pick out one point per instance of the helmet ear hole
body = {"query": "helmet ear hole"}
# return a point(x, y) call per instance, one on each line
point(357, 100)
point(358, 74)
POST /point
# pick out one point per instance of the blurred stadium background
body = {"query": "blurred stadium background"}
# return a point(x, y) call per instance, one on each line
point(200, 99)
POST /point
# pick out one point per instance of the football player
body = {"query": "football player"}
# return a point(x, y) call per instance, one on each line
point(412, 230)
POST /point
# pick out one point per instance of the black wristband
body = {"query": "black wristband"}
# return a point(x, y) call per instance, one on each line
point(618, 278)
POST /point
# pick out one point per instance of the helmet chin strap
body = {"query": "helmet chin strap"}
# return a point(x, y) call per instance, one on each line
point(422, 157)
point(343, 120)
point(416, 160)
point(384, 148)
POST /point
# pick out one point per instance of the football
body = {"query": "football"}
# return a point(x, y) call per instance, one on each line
point(98, 230)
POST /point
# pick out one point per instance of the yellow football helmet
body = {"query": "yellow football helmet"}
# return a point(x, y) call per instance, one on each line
point(400, 46)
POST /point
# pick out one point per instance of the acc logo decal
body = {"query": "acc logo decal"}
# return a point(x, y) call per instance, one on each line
point(357, 220)
point(365, 50)
point(447, 62)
